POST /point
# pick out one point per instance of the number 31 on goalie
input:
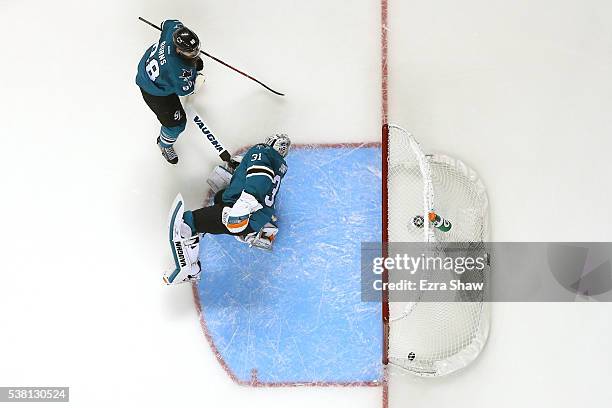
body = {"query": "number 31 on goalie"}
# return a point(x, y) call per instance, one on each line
point(270, 197)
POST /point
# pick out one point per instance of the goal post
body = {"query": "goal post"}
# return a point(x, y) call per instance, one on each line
point(433, 199)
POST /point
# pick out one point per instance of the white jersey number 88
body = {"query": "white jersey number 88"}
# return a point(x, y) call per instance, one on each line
point(152, 67)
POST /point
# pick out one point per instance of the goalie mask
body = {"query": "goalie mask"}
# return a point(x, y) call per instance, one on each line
point(280, 142)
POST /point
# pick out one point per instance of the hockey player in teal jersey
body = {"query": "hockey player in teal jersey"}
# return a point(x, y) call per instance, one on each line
point(167, 70)
point(244, 208)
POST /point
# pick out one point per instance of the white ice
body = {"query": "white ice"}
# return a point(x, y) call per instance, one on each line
point(519, 90)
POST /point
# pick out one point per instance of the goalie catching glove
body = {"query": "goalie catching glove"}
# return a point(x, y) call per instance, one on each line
point(263, 239)
point(236, 218)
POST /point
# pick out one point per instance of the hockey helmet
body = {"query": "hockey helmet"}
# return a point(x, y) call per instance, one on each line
point(186, 42)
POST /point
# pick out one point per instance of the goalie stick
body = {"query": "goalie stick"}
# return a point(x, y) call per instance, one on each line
point(224, 154)
point(222, 63)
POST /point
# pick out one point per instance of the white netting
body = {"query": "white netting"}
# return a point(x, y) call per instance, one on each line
point(430, 337)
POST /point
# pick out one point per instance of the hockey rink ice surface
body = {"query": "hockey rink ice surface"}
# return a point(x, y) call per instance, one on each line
point(518, 90)
point(295, 315)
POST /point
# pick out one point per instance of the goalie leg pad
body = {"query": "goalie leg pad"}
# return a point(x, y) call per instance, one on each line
point(219, 179)
point(184, 245)
point(236, 218)
point(188, 268)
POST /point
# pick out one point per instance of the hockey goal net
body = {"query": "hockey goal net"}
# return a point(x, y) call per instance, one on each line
point(432, 336)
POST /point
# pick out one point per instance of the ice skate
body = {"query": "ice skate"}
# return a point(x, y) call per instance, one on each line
point(168, 153)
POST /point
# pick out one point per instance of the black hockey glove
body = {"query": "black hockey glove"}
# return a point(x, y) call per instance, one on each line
point(233, 164)
point(199, 64)
point(225, 156)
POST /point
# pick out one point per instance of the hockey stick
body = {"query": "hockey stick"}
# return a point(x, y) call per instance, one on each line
point(223, 63)
point(224, 154)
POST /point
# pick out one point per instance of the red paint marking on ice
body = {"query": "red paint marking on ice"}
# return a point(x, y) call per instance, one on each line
point(243, 149)
point(384, 100)
point(215, 350)
point(384, 43)
point(254, 380)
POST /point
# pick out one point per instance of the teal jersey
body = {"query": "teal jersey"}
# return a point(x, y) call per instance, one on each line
point(161, 71)
point(260, 174)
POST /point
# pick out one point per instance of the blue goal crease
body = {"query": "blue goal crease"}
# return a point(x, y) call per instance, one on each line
point(295, 314)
